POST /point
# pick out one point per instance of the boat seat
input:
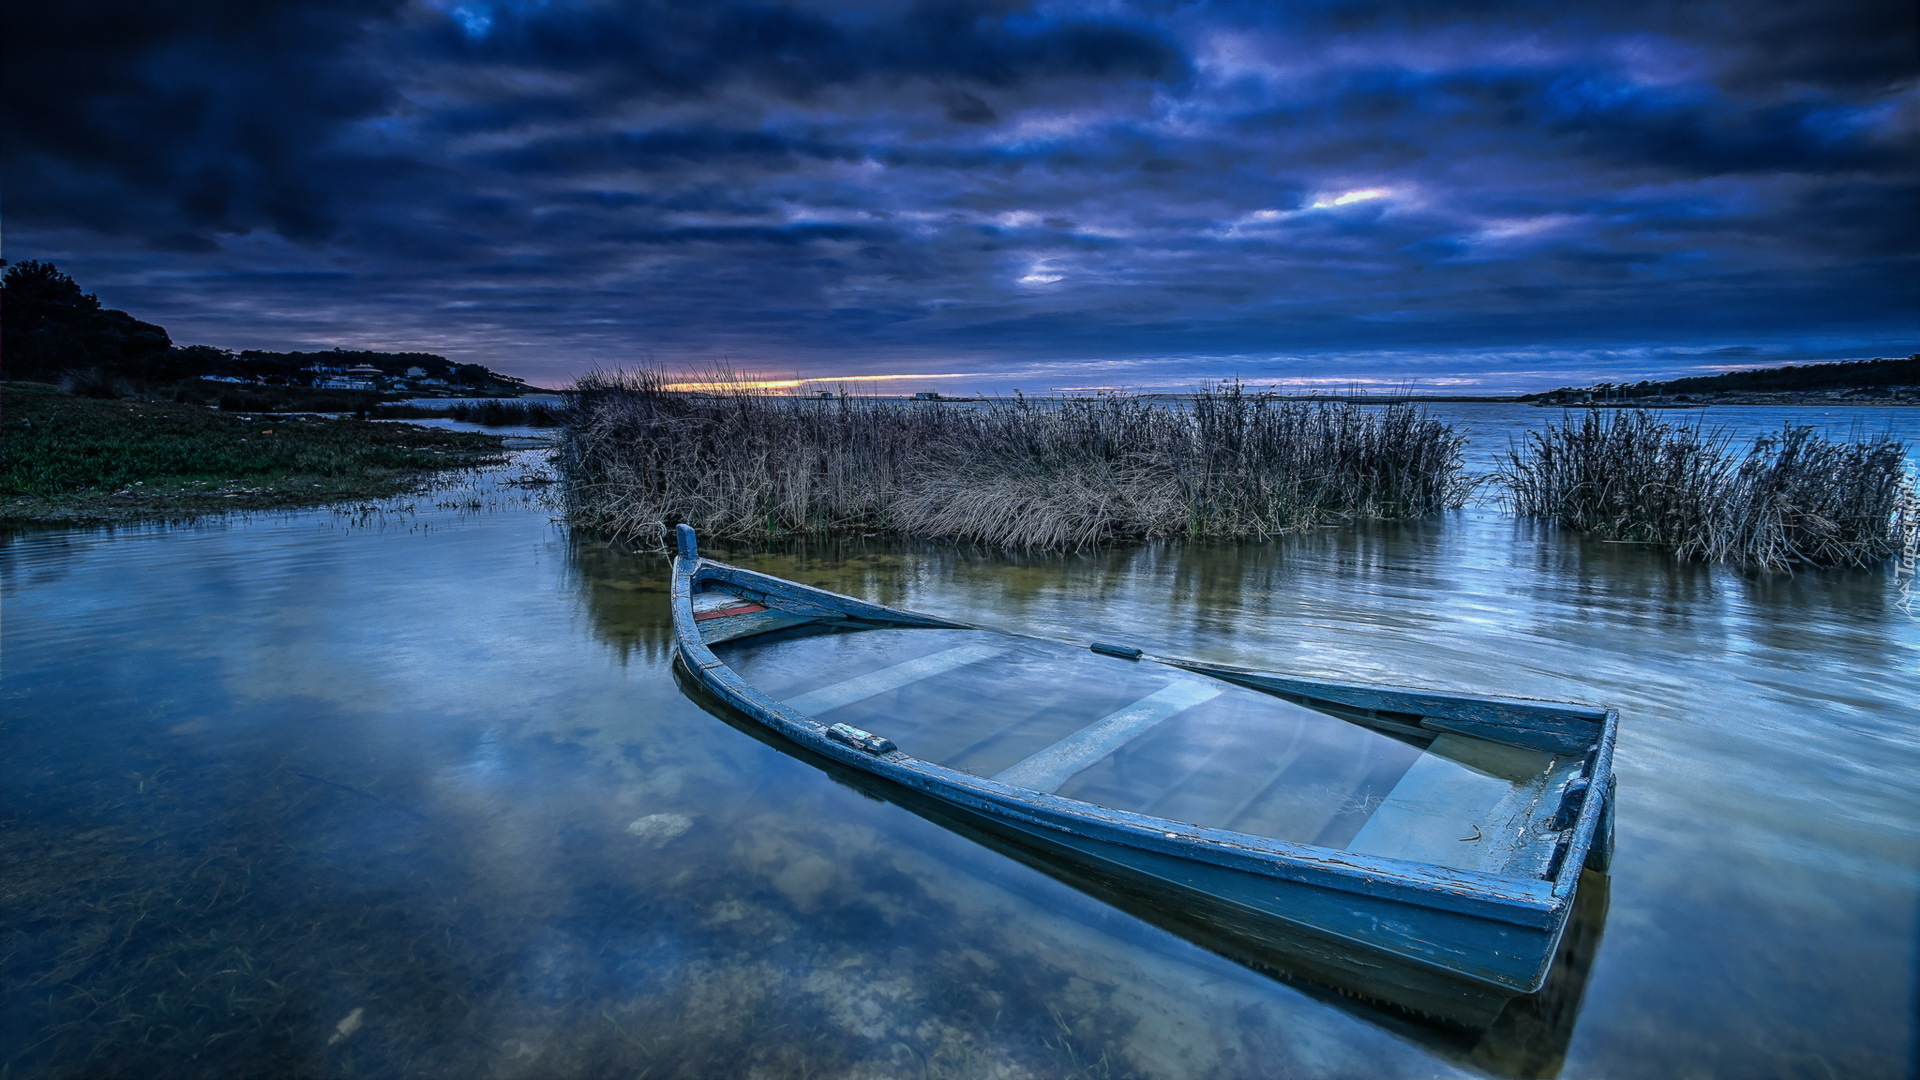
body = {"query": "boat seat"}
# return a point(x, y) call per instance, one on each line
point(722, 616)
point(748, 623)
point(874, 683)
point(1048, 769)
point(718, 603)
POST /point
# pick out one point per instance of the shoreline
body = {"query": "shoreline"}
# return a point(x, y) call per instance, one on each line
point(81, 461)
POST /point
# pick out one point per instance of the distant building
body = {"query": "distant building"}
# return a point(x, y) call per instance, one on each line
point(927, 395)
point(416, 372)
point(825, 395)
point(358, 377)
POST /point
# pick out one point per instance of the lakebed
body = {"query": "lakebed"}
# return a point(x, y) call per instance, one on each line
point(413, 789)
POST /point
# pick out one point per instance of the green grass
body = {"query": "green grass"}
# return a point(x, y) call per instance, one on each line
point(72, 458)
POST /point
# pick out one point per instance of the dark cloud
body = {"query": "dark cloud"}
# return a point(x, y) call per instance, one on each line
point(968, 108)
point(647, 47)
point(543, 185)
point(654, 150)
point(221, 115)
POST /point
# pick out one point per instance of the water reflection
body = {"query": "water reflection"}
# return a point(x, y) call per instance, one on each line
point(431, 769)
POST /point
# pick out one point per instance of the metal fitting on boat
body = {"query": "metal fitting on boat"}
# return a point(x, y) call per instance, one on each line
point(861, 740)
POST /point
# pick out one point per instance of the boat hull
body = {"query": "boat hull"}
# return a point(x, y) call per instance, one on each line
point(1498, 932)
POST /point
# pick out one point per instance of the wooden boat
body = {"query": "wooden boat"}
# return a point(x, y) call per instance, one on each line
point(1491, 1030)
point(1445, 833)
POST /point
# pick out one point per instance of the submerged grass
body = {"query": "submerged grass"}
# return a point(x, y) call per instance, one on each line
point(1017, 472)
point(173, 911)
point(1795, 498)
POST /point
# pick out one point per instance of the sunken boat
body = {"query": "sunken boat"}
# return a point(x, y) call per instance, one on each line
point(1441, 835)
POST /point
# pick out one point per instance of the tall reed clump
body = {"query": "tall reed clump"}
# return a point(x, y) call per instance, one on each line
point(1020, 472)
point(493, 412)
point(1793, 498)
point(497, 413)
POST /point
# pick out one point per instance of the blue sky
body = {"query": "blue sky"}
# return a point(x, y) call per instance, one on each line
point(1464, 196)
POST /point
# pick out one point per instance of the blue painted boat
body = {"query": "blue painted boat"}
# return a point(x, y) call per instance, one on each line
point(1439, 832)
point(1491, 1030)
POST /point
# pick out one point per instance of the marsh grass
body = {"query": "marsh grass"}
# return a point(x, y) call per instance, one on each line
point(1015, 472)
point(1794, 498)
point(492, 413)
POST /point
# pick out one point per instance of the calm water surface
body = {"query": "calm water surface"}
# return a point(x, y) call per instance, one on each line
point(414, 791)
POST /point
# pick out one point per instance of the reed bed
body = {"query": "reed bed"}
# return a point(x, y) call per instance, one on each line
point(1016, 472)
point(1794, 498)
point(494, 412)
point(498, 413)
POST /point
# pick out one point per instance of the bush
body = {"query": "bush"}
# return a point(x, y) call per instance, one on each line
point(97, 383)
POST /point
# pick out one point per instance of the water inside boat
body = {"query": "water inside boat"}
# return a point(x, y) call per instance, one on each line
point(1156, 740)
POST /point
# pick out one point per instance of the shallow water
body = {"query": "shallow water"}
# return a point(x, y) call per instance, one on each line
point(415, 791)
point(1491, 429)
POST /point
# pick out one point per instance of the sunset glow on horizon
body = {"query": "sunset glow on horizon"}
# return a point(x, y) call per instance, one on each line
point(751, 383)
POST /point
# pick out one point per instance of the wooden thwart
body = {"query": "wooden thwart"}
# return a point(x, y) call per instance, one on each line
point(745, 622)
point(875, 683)
point(741, 608)
point(1054, 766)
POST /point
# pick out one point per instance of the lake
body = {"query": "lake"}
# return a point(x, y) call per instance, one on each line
point(411, 789)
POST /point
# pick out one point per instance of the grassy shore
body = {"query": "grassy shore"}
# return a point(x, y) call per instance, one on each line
point(73, 459)
point(1013, 472)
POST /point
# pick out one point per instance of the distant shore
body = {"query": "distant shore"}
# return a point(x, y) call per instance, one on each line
point(1784, 398)
point(1800, 399)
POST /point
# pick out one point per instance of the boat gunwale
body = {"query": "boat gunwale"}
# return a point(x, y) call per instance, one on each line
point(1534, 903)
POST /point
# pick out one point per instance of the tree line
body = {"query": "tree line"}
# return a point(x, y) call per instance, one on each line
point(50, 329)
point(1842, 375)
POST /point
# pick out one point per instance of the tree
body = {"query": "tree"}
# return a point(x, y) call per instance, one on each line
point(48, 327)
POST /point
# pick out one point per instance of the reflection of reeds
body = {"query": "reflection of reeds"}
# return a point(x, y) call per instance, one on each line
point(1792, 498)
point(1014, 471)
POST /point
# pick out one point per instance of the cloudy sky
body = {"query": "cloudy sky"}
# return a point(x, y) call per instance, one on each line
point(1469, 195)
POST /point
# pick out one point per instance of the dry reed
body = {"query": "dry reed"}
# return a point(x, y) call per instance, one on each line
point(1793, 498)
point(1018, 472)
